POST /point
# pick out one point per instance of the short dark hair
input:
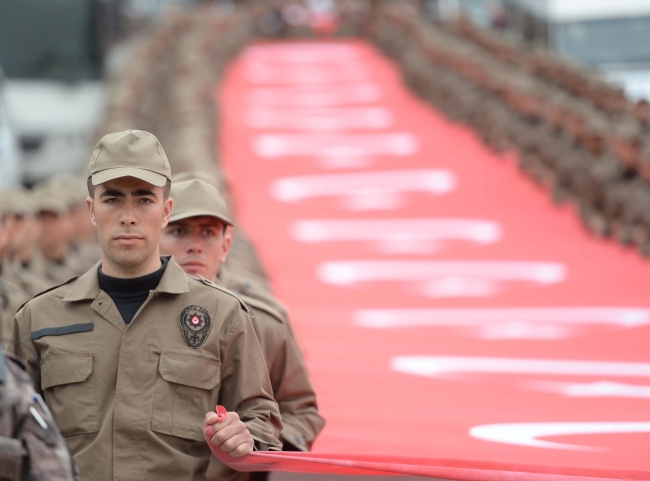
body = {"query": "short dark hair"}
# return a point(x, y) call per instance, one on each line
point(91, 188)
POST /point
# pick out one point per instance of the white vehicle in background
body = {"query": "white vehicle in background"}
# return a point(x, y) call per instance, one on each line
point(10, 166)
point(612, 35)
point(54, 96)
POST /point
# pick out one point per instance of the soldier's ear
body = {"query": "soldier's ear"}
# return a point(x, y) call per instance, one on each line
point(90, 205)
point(227, 241)
point(167, 212)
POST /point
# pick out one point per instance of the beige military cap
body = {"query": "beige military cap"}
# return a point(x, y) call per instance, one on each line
point(193, 198)
point(22, 202)
point(196, 174)
point(50, 198)
point(130, 153)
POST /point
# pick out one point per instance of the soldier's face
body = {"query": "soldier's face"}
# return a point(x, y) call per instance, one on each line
point(54, 241)
point(129, 214)
point(199, 245)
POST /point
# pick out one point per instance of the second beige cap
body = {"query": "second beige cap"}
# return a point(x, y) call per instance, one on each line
point(130, 153)
point(194, 198)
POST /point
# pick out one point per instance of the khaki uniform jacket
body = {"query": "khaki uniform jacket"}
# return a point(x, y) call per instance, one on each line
point(11, 298)
point(26, 280)
point(60, 272)
point(292, 386)
point(131, 399)
point(38, 267)
point(243, 257)
point(82, 257)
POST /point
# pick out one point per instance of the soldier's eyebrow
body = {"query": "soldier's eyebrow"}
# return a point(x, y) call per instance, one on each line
point(113, 193)
point(143, 193)
point(215, 225)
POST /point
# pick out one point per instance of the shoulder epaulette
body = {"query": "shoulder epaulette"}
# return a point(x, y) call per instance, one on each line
point(208, 282)
point(46, 291)
point(262, 306)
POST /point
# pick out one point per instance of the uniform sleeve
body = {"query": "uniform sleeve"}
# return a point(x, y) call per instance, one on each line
point(245, 385)
point(22, 345)
point(293, 390)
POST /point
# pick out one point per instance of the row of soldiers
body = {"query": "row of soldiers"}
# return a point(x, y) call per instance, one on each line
point(64, 325)
point(594, 153)
point(46, 239)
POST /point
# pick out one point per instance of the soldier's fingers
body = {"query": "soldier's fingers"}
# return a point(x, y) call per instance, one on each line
point(224, 434)
point(218, 426)
point(211, 418)
point(235, 441)
point(242, 450)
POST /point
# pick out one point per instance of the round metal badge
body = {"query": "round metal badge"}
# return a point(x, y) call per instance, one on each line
point(196, 324)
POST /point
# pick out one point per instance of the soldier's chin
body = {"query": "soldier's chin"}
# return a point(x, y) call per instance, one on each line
point(194, 270)
point(130, 258)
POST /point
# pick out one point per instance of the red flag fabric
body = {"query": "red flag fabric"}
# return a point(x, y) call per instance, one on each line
point(451, 316)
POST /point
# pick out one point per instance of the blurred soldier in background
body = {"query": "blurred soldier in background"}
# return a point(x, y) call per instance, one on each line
point(84, 247)
point(57, 230)
point(198, 237)
point(31, 446)
point(22, 256)
point(11, 296)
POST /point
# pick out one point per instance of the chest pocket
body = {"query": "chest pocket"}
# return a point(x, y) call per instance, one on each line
point(184, 394)
point(69, 388)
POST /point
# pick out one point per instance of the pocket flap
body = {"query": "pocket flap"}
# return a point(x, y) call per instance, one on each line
point(188, 370)
point(66, 369)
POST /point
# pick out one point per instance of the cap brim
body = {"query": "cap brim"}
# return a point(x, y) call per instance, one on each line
point(109, 174)
point(198, 213)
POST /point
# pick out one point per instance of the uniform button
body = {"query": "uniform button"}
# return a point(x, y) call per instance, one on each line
point(298, 439)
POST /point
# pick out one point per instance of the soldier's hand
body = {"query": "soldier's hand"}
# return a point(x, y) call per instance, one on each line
point(231, 434)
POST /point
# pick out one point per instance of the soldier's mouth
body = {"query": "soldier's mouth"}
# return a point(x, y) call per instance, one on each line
point(128, 239)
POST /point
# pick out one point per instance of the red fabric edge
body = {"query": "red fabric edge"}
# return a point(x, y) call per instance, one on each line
point(431, 467)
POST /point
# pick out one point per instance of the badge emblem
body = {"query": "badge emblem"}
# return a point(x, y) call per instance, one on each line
point(195, 324)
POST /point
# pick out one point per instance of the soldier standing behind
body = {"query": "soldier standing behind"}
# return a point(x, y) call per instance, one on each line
point(133, 356)
point(11, 296)
point(196, 236)
point(31, 446)
point(56, 233)
point(22, 247)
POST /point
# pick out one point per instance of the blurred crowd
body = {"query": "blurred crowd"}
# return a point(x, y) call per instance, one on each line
point(570, 130)
point(46, 238)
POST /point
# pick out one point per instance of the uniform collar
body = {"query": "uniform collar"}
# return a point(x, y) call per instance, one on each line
point(173, 281)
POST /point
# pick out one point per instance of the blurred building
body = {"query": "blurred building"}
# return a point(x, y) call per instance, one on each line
point(53, 95)
point(612, 35)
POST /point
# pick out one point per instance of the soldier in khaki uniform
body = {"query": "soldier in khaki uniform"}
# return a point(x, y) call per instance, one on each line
point(196, 236)
point(134, 355)
point(11, 296)
point(31, 446)
point(242, 256)
point(84, 251)
point(56, 231)
point(22, 246)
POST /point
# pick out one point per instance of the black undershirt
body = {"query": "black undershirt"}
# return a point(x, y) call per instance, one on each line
point(129, 294)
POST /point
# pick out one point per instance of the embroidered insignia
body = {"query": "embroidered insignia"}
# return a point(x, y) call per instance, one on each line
point(195, 324)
